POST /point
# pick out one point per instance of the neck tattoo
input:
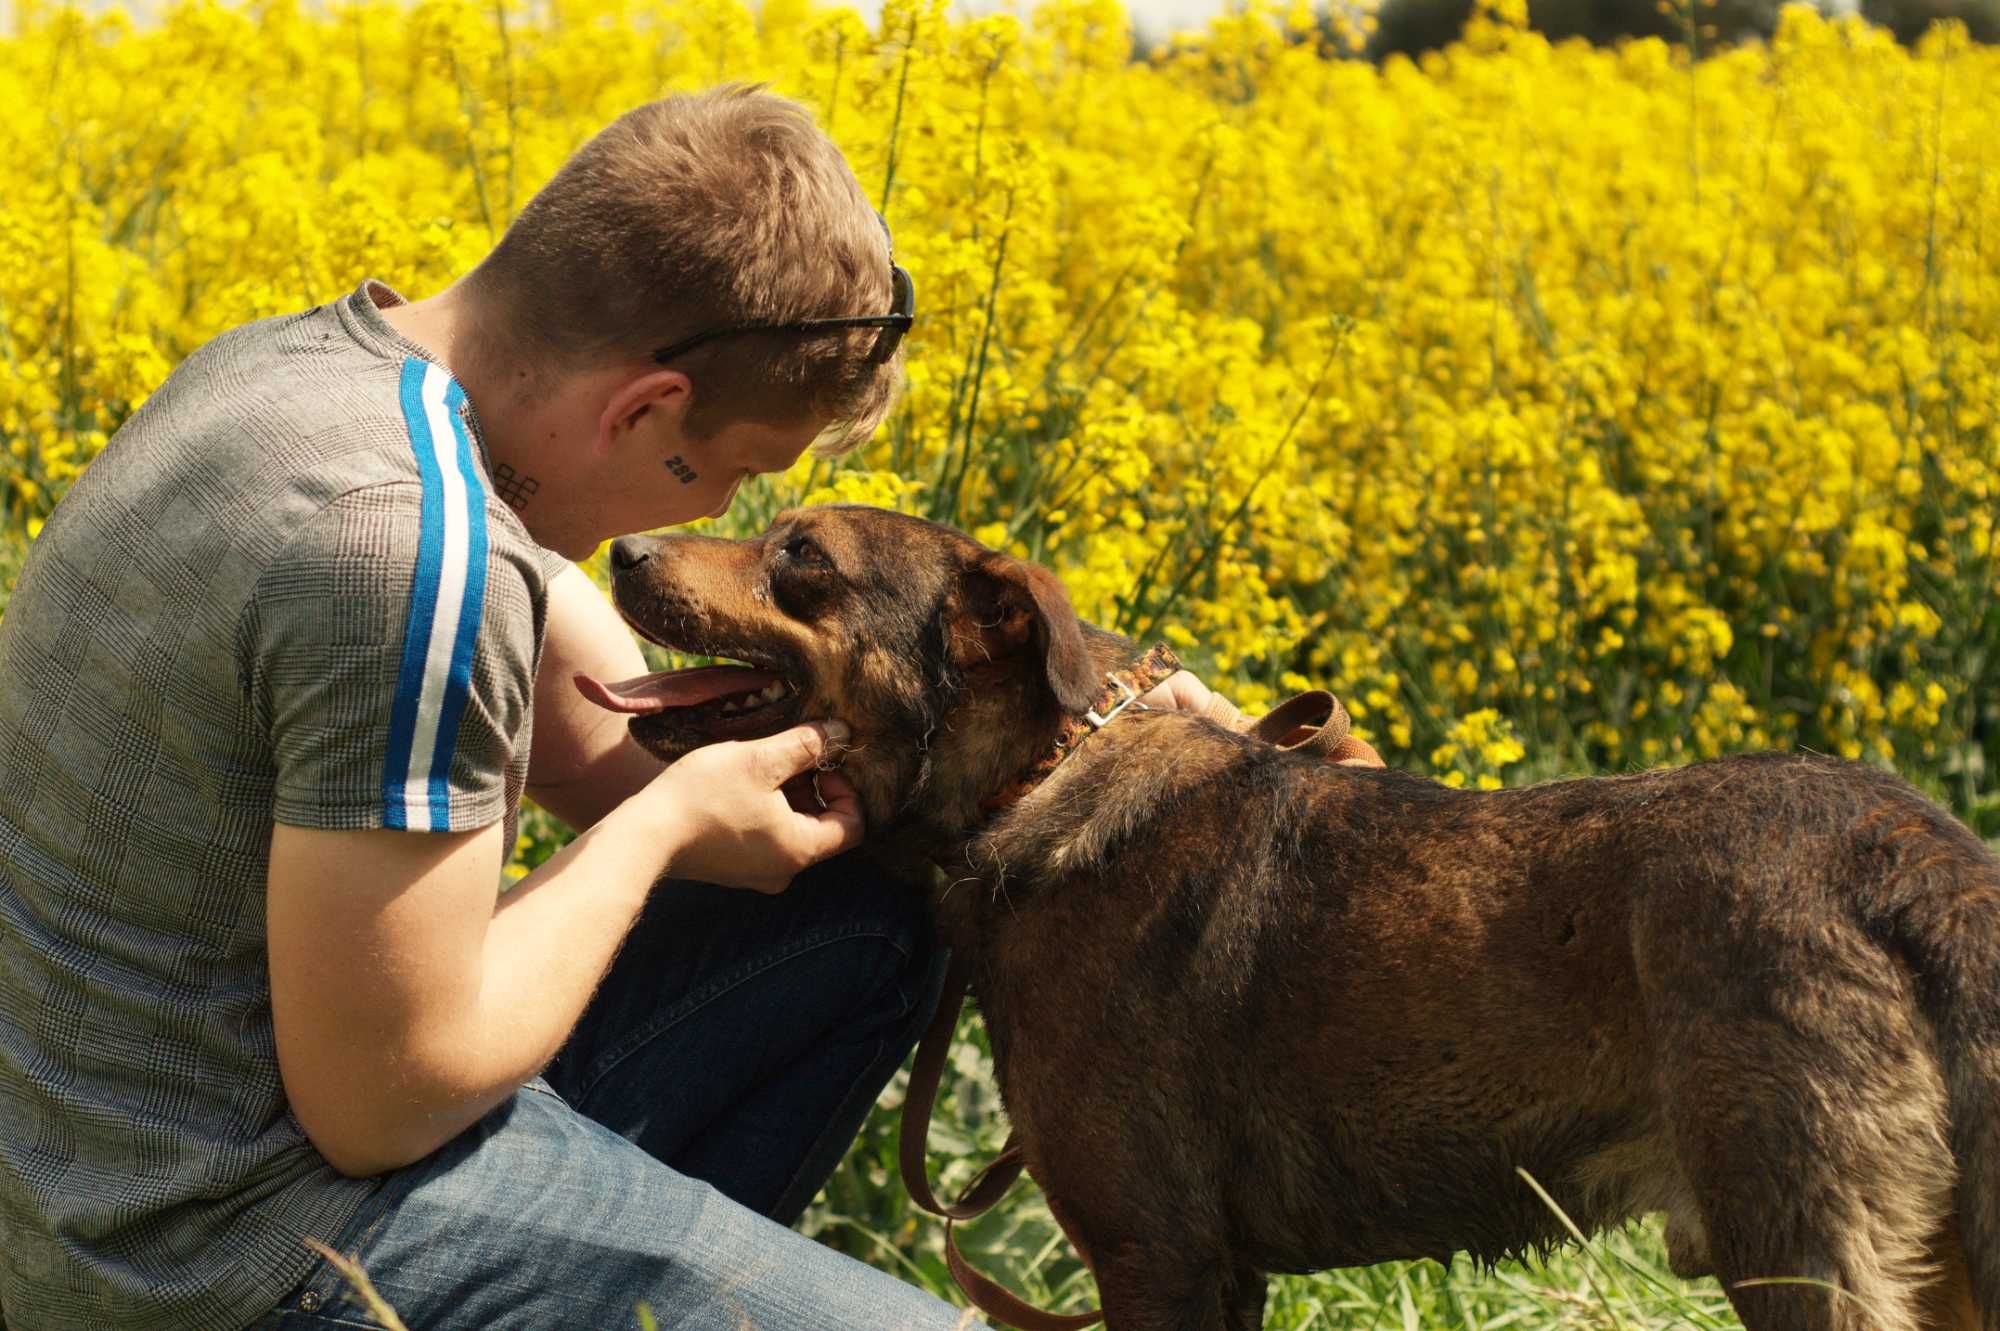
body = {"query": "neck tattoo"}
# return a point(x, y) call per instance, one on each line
point(513, 487)
point(681, 470)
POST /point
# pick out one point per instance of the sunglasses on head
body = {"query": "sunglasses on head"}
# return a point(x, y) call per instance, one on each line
point(902, 313)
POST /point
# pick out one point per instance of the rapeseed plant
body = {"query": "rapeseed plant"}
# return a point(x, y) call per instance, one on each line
point(1648, 402)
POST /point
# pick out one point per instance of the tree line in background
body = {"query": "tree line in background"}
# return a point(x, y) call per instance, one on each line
point(1412, 27)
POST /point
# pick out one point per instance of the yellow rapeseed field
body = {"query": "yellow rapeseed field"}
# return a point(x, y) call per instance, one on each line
point(1555, 406)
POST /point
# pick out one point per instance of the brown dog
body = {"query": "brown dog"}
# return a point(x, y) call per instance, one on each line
point(1252, 1012)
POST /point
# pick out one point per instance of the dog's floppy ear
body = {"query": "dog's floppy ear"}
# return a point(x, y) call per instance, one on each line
point(1009, 611)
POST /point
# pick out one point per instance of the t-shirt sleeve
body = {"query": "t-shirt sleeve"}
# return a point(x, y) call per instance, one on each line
point(550, 564)
point(391, 650)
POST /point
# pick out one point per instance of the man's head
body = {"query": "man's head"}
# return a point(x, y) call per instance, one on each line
point(703, 214)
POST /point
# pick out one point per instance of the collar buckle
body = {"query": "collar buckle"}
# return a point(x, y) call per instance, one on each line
point(1131, 699)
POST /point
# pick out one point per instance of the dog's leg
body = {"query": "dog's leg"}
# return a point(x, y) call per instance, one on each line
point(1805, 1104)
point(1151, 1285)
point(1243, 1300)
point(1803, 1241)
point(1947, 1300)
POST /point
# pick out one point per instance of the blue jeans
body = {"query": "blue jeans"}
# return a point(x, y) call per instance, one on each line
point(713, 1084)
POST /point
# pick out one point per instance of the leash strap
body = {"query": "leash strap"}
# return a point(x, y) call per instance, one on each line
point(996, 1301)
point(992, 1182)
point(987, 1187)
point(1313, 723)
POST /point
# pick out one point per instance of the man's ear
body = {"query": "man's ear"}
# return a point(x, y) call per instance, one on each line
point(1013, 613)
point(632, 401)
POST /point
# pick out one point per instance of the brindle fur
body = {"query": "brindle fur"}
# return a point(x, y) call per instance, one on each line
point(1254, 1013)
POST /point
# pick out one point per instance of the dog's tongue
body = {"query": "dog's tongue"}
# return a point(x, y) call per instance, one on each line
point(673, 688)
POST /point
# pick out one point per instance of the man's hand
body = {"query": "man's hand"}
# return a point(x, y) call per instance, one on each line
point(731, 820)
point(1182, 692)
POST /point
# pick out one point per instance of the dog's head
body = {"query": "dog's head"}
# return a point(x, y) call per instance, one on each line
point(951, 662)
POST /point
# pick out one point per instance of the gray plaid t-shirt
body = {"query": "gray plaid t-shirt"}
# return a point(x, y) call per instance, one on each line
point(286, 592)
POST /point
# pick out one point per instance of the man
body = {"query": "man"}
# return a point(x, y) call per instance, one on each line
point(271, 684)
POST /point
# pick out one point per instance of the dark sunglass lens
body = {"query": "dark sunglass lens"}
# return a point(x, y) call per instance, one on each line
point(903, 304)
point(886, 343)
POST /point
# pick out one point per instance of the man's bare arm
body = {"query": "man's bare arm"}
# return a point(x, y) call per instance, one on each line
point(408, 1001)
point(584, 763)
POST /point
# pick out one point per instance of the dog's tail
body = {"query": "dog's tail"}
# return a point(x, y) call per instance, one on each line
point(1945, 911)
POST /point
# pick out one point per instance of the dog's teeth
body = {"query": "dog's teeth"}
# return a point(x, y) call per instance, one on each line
point(773, 693)
point(731, 706)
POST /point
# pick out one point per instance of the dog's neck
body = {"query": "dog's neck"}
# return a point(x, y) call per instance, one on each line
point(1003, 743)
point(1123, 687)
point(1117, 789)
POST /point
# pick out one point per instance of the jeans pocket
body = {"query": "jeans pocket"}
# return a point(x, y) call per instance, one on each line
point(316, 1305)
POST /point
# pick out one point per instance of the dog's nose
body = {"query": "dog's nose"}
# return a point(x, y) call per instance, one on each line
point(628, 553)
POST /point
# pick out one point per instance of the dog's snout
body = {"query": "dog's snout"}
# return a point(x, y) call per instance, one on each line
point(628, 552)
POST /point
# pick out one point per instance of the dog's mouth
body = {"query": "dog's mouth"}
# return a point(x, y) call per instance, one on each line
point(681, 709)
point(730, 690)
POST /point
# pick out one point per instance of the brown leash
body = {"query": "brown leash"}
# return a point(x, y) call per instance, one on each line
point(985, 1190)
point(1313, 723)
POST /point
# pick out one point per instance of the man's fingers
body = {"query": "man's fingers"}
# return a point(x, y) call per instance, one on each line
point(782, 756)
point(840, 821)
point(831, 819)
point(1182, 691)
point(838, 828)
point(837, 796)
point(1179, 691)
point(816, 791)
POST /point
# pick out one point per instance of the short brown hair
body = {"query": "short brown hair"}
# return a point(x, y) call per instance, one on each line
point(702, 211)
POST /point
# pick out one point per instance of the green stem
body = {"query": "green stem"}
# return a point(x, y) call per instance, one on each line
point(466, 102)
point(1201, 561)
point(979, 375)
point(896, 120)
point(507, 83)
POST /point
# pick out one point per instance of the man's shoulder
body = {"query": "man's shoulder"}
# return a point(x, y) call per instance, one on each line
point(262, 430)
point(274, 414)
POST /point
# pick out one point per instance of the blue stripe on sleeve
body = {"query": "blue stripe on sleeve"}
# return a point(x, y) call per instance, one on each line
point(423, 600)
point(459, 685)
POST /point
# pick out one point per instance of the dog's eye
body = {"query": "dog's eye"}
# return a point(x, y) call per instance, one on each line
point(803, 550)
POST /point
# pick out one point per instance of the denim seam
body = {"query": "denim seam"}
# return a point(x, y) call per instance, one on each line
point(320, 1320)
point(911, 996)
point(544, 1089)
point(666, 1021)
